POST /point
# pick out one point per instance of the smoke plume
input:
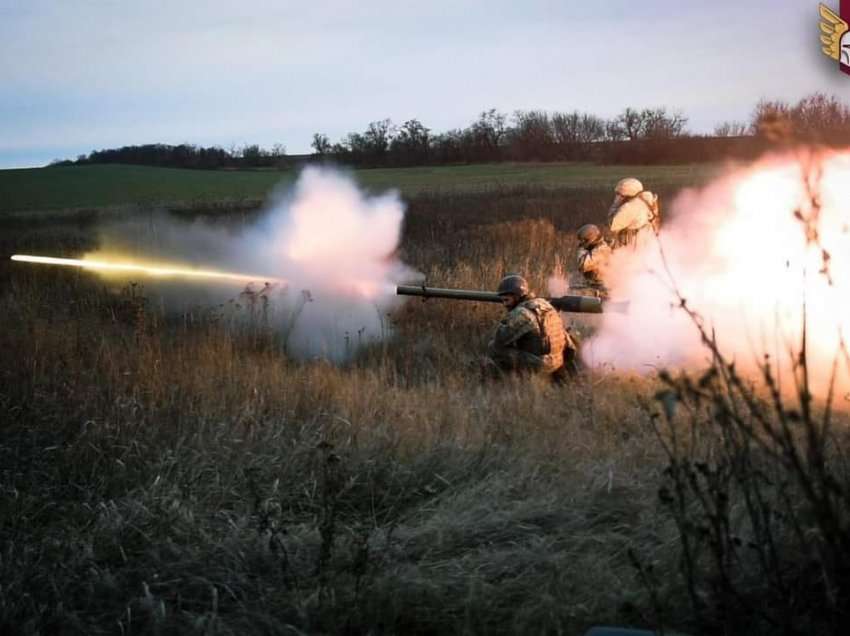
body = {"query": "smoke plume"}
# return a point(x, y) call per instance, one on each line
point(753, 253)
point(322, 252)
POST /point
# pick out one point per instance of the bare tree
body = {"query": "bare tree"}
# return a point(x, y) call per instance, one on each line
point(816, 117)
point(378, 136)
point(356, 146)
point(591, 128)
point(574, 131)
point(731, 129)
point(321, 145)
point(488, 133)
point(657, 123)
point(253, 155)
point(770, 115)
point(411, 144)
point(632, 122)
point(565, 127)
point(531, 137)
point(448, 147)
point(614, 131)
point(819, 114)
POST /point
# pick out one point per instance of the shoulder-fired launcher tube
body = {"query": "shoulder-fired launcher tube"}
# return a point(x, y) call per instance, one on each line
point(573, 304)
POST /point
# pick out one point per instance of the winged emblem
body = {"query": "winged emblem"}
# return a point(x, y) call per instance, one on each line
point(834, 35)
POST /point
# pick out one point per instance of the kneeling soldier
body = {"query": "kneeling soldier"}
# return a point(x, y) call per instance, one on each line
point(531, 337)
point(593, 258)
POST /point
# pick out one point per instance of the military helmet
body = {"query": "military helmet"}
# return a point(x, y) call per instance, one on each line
point(589, 234)
point(628, 187)
point(513, 284)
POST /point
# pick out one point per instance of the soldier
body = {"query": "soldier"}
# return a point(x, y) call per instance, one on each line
point(635, 213)
point(593, 258)
point(531, 338)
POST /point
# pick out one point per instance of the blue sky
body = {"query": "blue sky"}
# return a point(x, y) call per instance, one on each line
point(81, 75)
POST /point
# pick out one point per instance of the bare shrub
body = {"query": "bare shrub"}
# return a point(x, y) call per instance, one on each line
point(758, 486)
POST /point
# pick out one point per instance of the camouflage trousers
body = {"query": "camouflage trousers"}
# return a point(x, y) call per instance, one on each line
point(514, 360)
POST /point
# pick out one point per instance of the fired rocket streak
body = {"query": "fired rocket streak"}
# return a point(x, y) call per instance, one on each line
point(138, 268)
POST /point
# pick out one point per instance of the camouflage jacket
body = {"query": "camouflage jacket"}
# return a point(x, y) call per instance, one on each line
point(534, 327)
point(593, 264)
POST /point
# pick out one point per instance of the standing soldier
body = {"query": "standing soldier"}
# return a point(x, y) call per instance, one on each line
point(593, 259)
point(635, 213)
point(531, 338)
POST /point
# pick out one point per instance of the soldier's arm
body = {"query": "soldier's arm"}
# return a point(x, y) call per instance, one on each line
point(586, 262)
point(632, 215)
point(513, 327)
point(602, 256)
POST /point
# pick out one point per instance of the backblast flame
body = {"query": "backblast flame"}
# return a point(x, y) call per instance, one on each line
point(758, 255)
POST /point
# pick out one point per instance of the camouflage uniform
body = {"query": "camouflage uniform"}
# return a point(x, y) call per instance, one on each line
point(593, 264)
point(530, 338)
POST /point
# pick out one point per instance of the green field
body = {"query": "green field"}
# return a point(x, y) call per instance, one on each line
point(75, 187)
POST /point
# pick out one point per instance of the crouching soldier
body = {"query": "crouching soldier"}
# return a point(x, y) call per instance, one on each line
point(532, 337)
point(593, 258)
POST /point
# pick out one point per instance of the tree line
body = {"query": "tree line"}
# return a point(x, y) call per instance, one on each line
point(640, 136)
point(188, 156)
point(533, 135)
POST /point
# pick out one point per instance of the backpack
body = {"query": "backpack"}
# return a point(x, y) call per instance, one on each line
point(654, 209)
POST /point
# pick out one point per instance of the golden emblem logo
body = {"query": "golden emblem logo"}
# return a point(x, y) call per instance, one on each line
point(835, 34)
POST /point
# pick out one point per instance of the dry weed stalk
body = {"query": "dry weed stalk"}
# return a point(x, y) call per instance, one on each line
point(756, 486)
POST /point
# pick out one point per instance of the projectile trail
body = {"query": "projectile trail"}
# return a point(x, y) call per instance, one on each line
point(150, 270)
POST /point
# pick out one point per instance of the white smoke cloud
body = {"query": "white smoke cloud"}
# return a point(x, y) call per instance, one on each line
point(737, 252)
point(323, 252)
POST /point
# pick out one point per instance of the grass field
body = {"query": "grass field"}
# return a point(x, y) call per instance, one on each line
point(74, 187)
point(168, 474)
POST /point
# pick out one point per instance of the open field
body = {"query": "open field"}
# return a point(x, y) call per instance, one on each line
point(74, 187)
point(172, 474)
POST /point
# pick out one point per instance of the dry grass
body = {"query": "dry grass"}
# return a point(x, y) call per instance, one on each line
point(166, 477)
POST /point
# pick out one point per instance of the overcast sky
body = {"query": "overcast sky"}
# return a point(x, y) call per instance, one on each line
point(79, 75)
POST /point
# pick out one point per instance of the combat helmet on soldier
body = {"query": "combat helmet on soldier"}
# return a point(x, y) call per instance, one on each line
point(589, 235)
point(628, 187)
point(513, 286)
